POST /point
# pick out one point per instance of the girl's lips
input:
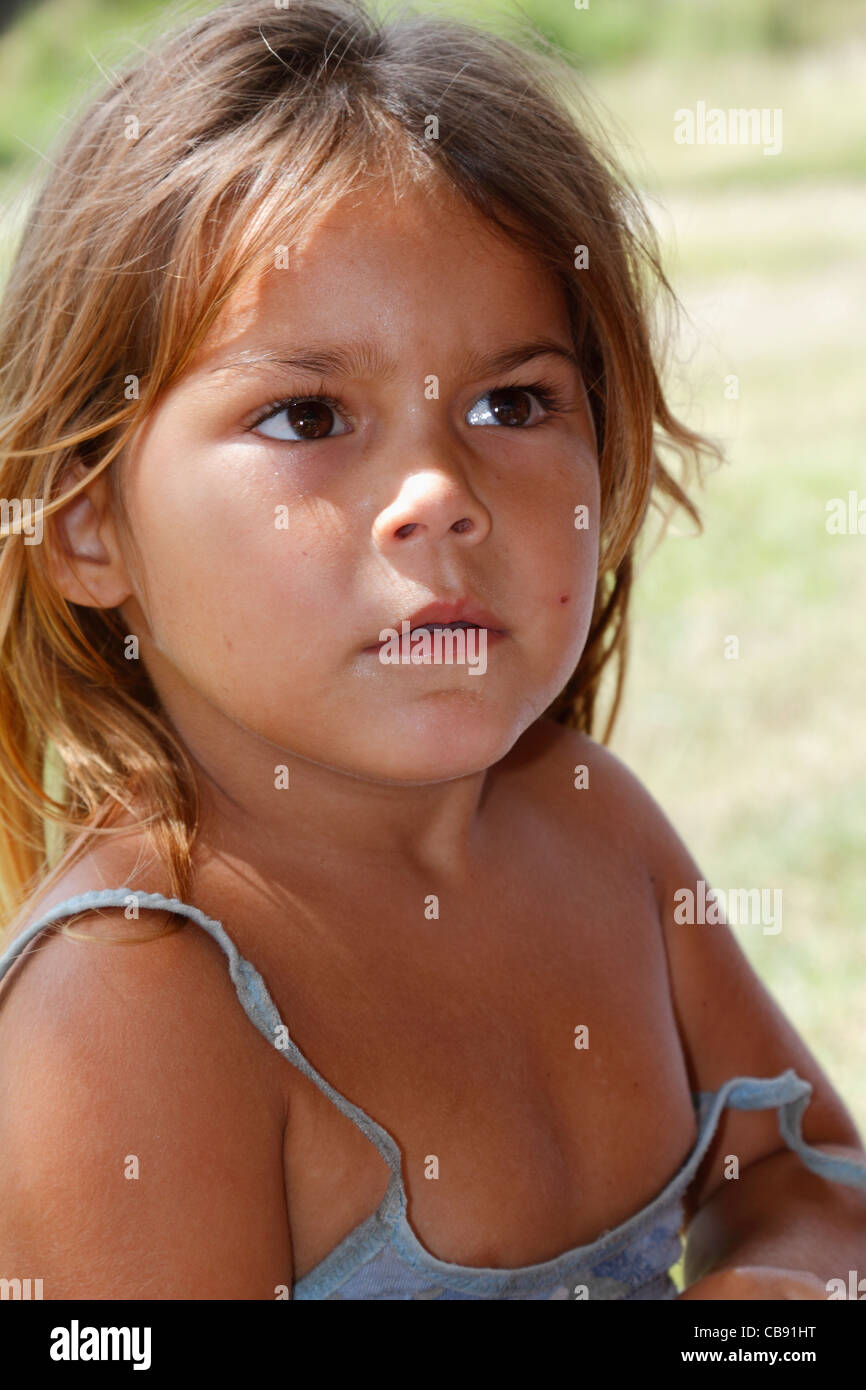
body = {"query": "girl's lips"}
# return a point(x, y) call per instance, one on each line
point(462, 610)
point(460, 613)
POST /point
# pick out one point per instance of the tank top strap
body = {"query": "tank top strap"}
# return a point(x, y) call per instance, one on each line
point(790, 1095)
point(252, 993)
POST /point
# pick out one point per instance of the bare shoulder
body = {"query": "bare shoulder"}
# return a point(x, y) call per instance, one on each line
point(728, 1021)
point(730, 1025)
point(581, 780)
point(140, 1134)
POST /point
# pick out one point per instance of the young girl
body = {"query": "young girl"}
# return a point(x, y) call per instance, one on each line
point(323, 330)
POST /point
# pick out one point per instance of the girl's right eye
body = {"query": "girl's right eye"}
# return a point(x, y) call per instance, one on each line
point(309, 416)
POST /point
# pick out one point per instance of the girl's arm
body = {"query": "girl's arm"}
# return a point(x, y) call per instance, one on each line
point(141, 1131)
point(777, 1213)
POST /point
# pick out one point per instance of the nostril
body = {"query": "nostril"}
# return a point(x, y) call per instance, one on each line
point(464, 524)
point(405, 530)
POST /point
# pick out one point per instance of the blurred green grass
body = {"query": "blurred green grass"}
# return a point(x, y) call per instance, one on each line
point(760, 761)
point(764, 768)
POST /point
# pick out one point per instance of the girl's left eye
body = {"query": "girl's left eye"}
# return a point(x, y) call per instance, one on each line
point(311, 417)
point(509, 409)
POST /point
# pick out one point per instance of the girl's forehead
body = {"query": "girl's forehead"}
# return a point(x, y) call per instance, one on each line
point(372, 258)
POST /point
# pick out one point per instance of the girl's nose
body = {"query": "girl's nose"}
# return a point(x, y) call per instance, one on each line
point(432, 505)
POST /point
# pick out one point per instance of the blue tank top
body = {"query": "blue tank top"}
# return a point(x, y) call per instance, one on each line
point(383, 1258)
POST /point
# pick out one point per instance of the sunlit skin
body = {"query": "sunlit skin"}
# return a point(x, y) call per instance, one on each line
point(255, 635)
point(404, 781)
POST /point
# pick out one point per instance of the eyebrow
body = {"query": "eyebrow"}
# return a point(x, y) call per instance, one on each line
point(364, 358)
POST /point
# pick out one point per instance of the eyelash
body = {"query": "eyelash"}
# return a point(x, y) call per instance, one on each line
point(554, 401)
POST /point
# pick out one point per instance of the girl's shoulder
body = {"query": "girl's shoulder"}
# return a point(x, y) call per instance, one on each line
point(81, 963)
point(173, 968)
point(584, 786)
point(728, 1022)
point(95, 861)
point(136, 1092)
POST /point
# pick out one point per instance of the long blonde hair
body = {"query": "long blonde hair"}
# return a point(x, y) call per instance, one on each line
point(254, 120)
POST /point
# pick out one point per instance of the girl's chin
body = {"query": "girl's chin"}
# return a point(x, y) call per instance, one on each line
point(440, 744)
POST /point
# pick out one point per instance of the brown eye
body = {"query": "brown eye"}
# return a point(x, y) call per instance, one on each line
point(514, 405)
point(510, 405)
point(307, 417)
point(311, 419)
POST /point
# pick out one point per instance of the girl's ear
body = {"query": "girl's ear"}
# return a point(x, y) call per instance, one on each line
point(90, 568)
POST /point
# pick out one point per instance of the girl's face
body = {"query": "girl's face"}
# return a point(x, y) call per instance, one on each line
point(278, 543)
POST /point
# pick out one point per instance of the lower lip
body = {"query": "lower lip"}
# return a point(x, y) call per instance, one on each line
point(493, 635)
